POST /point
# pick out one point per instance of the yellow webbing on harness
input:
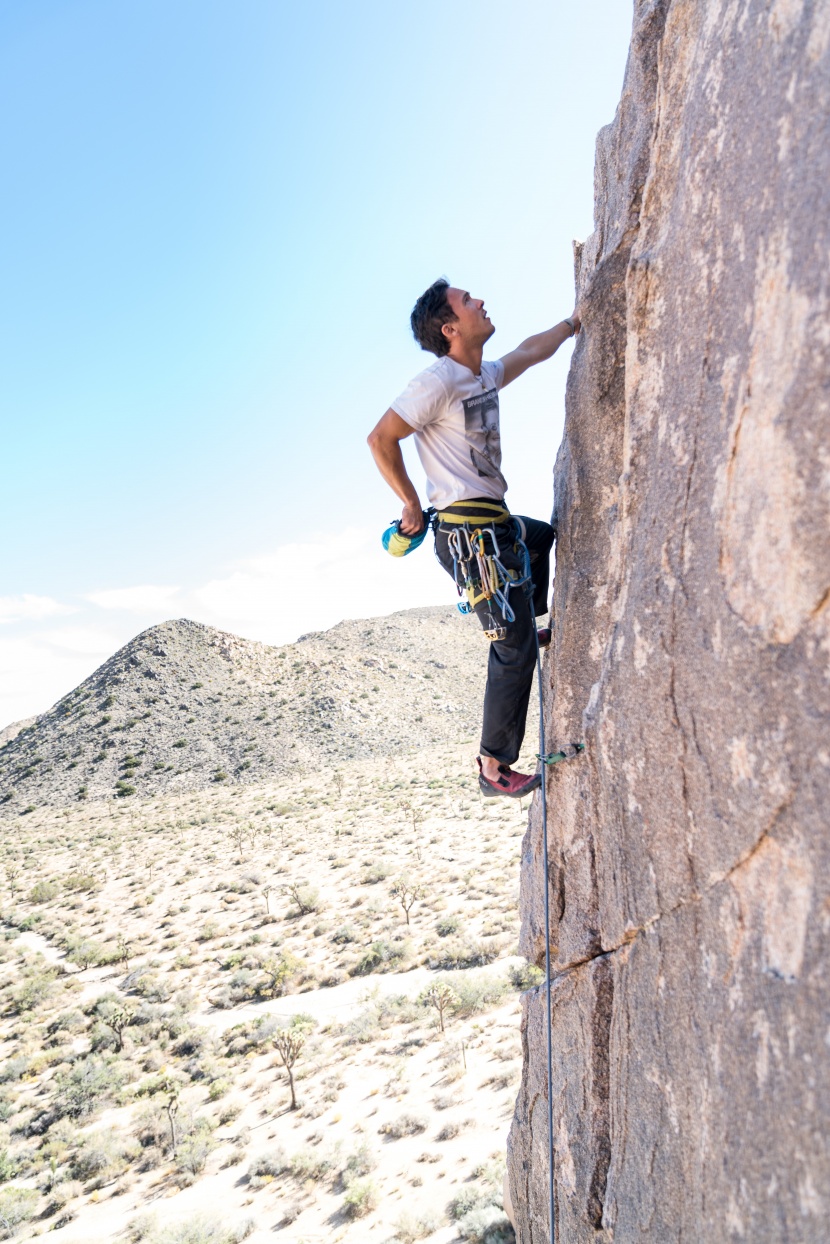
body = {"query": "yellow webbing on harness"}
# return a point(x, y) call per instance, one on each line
point(474, 513)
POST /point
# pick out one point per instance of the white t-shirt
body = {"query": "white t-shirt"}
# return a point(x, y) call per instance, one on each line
point(456, 420)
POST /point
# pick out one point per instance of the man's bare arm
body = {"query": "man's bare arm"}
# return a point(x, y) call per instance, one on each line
point(537, 349)
point(385, 443)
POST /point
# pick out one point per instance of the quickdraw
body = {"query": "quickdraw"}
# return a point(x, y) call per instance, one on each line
point(569, 751)
point(483, 576)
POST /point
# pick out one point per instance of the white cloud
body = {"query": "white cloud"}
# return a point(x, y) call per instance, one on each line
point(147, 598)
point(34, 674)
point(29, 608)
point(312, 585)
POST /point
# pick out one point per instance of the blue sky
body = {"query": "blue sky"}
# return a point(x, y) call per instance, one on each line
point(216, 219)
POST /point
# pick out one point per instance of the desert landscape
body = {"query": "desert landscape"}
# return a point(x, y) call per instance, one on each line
point(276, 1008)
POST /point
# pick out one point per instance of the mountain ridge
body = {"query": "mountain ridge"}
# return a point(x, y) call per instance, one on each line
point(184, 705)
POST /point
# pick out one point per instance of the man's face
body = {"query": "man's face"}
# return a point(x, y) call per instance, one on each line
point(472, 323)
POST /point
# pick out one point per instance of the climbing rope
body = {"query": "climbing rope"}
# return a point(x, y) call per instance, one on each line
point(484, 577)
point(568, 752)
point(549, 1022)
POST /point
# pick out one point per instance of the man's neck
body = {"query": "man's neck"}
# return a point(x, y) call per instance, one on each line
point(468, 356)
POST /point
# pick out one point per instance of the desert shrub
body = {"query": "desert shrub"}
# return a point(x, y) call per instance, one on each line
point(476, 991)
point(193, 1152)
point(33, 990)
point(487, 1225)
point(412, 1227)
point(14, 1069)
point(451, 1129)
point(17, 1205)
point(305, 897)
point(308, 1164)
point(448, 925)
point(85, 953)
point(456, 953)
point(103, 1156)
point(141, 1228)
point(376, 872)
point(153, 988)
point(404, 1125)
point(152, 1128)
point(380, 954)
point(8, 1166)
point(86, 1086)
point(60, 1194)
point(346, 933)
point(79, 882)
point(68, 1021)
point(525, 976)
point(218, 1089)
point(200, 1230)
point(360, 1162)
point(43, 892)
point(266, 1168)
point(230, 1111)
point(362, 1196)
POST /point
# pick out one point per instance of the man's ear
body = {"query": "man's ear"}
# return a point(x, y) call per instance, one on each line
point(449, 330)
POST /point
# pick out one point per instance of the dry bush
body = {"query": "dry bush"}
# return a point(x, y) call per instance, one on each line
point(362, 1197)
point(17, 1206)
point(410, 1228)
point(267, 1167)
point(405, 1125)
point(453, 1128)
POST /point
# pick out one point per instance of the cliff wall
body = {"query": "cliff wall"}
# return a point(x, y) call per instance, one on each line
point(689, 864)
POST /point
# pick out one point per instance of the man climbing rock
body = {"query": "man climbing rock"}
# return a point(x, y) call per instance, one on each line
point(452, 407)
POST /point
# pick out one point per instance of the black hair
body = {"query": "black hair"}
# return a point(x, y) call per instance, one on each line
point(430, 313)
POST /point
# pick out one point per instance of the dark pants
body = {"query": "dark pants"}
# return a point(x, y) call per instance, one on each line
point(512, 659)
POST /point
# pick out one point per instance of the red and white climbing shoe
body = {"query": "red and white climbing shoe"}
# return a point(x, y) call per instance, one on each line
point(513, 785)
point(545, 636)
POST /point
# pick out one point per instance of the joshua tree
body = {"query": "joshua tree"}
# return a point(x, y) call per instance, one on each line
point(171, 1090)
point(441, 996)
point(305, 896)
point(337, 779)
point(267, 891)
point(407, 893)
point(124, 951)
point(12, 873)
point(277, 968)
point(238, 838)
point(116, 1016)
point(289, 1042)
point(415, 814)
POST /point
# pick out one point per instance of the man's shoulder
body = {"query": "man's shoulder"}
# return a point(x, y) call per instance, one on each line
point(438, 372)
point(493, 370)
point(433, 382)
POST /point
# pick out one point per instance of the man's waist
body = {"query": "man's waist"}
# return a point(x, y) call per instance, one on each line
point(477, 511)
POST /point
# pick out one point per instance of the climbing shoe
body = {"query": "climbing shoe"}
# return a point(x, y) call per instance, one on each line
point(545, 636)
point(513, 785)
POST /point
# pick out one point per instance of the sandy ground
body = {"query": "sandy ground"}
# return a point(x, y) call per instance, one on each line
point(192, 898)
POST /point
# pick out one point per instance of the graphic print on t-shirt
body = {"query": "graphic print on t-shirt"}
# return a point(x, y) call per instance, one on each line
point(481, 425)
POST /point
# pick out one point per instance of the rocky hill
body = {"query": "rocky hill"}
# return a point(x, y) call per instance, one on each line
point(689, 867)
point(184, 706)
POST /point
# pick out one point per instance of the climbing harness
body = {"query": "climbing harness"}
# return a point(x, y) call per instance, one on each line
point(479, 574)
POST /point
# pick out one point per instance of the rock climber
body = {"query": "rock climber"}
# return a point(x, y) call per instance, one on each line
point(452, 407)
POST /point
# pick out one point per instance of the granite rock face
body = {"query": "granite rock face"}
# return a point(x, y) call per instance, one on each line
point(689, 862)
